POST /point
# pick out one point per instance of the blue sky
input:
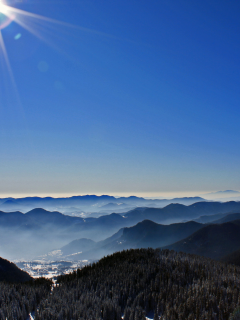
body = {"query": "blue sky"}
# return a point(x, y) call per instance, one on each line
point(141, 97)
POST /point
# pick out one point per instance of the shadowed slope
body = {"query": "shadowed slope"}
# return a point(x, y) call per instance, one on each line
point(143, 235)
point(9, 272)
point(213, 241)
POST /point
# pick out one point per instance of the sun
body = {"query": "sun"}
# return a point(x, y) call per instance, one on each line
point(42, 27)
point(6, 17)
point(3, 7)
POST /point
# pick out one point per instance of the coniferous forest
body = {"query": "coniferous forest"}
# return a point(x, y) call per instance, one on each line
point(17, 300)
point(131, 284)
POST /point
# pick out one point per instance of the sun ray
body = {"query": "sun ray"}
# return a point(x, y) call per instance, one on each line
point(8, 10)
point(10, 72)
point(46, 29)
point(5, 56)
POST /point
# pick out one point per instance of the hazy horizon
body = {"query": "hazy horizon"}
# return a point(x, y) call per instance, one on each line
point(163, 195)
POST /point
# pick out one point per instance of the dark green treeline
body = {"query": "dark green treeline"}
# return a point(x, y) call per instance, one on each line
point(132, 283)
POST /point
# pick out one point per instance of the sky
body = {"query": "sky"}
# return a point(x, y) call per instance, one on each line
point(119, 97)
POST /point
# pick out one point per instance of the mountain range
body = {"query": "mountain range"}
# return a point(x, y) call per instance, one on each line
point(179, 212)
point(211, 240)
point(226, 195)
point(143, 235)
point(88, 204)
point(225, 192)
point(39, 231)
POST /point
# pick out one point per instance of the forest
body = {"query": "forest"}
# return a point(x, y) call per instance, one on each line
point(131, 284)
point(17, 300)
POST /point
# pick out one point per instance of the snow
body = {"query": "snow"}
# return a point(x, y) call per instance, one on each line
point(30, 317)
point(50, 269)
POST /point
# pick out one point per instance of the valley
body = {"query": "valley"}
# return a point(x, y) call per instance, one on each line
point(52, 246)
point(37, 233)
point(50, 269)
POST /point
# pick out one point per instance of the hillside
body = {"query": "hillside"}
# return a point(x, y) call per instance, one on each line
point(143, 235)
point(9, 272)
point(228, 218)
point(134, 284)
point(149, 234)
point(213, 241)
point(137, 283)
point(77, 246)
point(218, 218)
point(210, 218)
point(17, 300)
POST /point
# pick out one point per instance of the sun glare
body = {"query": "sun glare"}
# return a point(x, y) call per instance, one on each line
point(42, 27)
point(3, 7)
point(6, 17)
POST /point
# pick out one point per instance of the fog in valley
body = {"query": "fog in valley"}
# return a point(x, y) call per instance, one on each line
point(48, 236)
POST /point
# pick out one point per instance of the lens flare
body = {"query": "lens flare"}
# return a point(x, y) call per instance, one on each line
point(42, 27)
point(5, 17)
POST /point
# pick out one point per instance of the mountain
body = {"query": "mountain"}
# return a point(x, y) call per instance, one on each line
point(218, 218)
point(214, 241)
point(143, 235)
point(77, 246)
point(226, 192)
point(227, 195)
point(210, 218)
point(88, 203)
point(9, 272)
point(26, 236)
point(228, 217)
point(149, 234)
point(40, 219)
point(179, 212)
point(114, 206)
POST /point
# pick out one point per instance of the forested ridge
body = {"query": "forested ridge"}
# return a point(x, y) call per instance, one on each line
point(131, 284)
point(134, 282)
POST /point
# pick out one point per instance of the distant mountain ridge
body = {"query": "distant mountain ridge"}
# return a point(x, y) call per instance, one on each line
point(218, 218)
point(39, 231)
point(228, 218)
point(143, 235)
point(178, 212)
point(90, 203)
point(225, 192)
point(213, 241)
point(42, 217)
point(225, 195)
